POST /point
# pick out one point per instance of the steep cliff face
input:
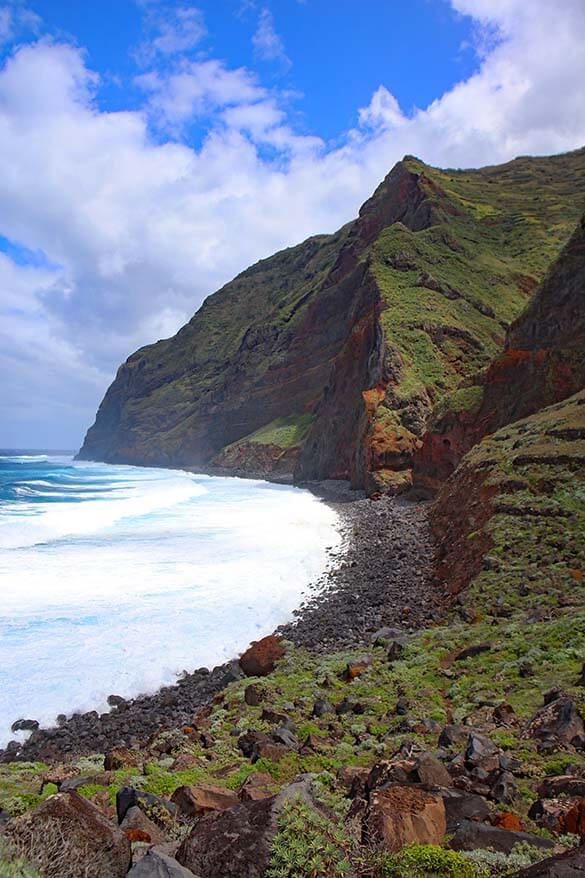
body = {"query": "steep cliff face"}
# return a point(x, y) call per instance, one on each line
point(510, 519)
point(350, 338)
point(542, 363)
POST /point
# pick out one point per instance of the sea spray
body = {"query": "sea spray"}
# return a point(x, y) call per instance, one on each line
point(115, 578)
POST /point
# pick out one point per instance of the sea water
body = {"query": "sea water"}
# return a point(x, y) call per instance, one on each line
point(115, 579)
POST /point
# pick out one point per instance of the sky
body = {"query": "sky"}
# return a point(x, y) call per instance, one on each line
point(152, 149)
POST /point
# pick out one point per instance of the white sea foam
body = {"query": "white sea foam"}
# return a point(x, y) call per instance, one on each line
point(167, 572)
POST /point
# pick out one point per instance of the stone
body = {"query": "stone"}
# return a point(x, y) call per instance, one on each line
point(253, 695)
point(257, 786)
point(356, 668)
point(352, 778)
point(504, 714)
point(74, 837)
point(249, 741)
point(562, 785)
point(453, 735)
point(200, 799)
point(385, 636)
point(402, 706)
point(237, 842)
point(461, 806)
point(559, 720)
point(550, 813)
point(121, 757)
point(574, 820)
point(116, 701)
point(127, 797)
point(400, 815)
point(157, 865)
point(472, 651)
point(283, 735)
point(504, 789)
point(568, 865)
point(274, 752)
point(508, 820)
point(471, 835)
point(322, 707)
point(395, 650)
point(70, 784)
point(384, 773)
point(24, 725)
point(260, 658)
point(276, 718)
point(482, 752)
point(431, 772)
point(136, 819)
point(185, 761)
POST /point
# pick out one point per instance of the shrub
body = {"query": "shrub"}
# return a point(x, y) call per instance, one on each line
point(428, 861)
point(307, 845)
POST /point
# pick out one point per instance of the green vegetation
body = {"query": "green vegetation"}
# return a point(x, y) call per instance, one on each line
point(283, 432)
point(308, 845)
point(428, 861)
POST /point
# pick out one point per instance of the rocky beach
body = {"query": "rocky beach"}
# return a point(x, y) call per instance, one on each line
point(382, 576)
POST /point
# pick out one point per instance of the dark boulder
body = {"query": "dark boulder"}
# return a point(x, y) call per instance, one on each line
point(201, 799)
point(128, 797)
point(453, 735)
point(430, 772)
point(558, 720)
point(155, 864)
point(253, 695)
point(481, 753)
point(236, 843)
point(568, 865)
point(460, 806)
point(471, 835)
point(24, 725)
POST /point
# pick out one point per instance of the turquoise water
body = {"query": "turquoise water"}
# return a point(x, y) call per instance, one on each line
point(114, 579)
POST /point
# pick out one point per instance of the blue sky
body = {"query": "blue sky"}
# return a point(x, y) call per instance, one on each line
point(338, 52)
point(151, 149)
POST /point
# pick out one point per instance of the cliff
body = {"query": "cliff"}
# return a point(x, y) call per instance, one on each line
point(327, 359)
point(542, 364)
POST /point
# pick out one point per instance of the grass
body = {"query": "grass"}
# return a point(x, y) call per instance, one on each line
point(284, 433)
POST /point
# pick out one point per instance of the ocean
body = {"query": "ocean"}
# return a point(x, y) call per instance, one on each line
point(115, 579)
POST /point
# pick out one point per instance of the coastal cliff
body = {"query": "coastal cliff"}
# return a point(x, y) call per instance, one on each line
point(327, 359)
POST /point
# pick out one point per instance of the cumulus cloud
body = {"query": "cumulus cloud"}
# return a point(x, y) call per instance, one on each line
point(137, 230)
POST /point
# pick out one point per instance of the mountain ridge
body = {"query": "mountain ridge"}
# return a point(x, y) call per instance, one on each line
point(356, 336)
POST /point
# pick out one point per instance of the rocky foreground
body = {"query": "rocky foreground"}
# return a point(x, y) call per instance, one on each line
point(396, 729)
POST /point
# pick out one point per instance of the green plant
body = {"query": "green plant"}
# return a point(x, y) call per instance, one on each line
point(492, 863)
point(428, 861)
point(307, 845)
point(15, 867)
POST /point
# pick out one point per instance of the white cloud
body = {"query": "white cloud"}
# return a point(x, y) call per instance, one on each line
point(267, 42)
point(143, 230)
point(171, 29)
point(195, 89)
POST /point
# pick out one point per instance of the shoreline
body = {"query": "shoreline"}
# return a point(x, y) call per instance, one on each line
point(379, 576)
